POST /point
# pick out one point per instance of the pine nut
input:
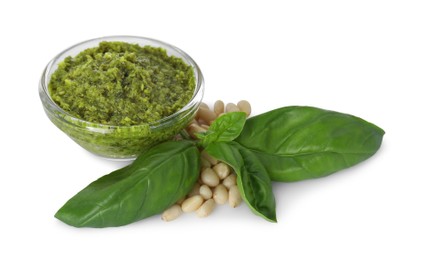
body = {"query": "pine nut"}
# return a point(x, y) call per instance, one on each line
point(195, 190)
point(204, 105)
point(172, 213)
point(206, 115)
point(209, 177)
point(206, 208)
point(220, 194)
point(230, 181)
point(234, 196)
point(194, 128)
point(205, 126)
point(205, 192)
point(230, 107)
point(211, 159)
point(194, 121)
point(219, 107)
point(245, 106)
point(193, 203)
point(222, 170)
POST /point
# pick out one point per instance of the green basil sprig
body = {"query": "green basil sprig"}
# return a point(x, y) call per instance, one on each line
point(151, 184)
point(286, 144)
point(298, 143)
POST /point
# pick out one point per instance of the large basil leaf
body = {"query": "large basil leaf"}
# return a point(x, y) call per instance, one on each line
point(156, 180)
point(297, 143)
point(224, 129)
point(253, 182)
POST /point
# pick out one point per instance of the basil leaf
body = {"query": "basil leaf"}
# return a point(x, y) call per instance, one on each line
point(155, 181)
point(297, 143)
point(224, 129)
point(253, 181)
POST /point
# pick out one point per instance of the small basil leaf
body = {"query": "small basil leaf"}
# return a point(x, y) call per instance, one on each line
point(253, 181)
point(156, 180)
point(224, 129)
point(297, 143)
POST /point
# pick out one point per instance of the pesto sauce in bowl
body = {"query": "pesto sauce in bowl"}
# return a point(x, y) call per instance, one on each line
point(116, 96)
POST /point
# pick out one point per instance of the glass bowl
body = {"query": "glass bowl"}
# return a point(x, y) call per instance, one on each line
point(120, 142)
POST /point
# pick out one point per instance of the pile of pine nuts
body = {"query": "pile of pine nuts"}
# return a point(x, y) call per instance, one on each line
point(217, 181)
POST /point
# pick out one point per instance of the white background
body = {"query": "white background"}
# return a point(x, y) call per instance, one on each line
point(363, 57)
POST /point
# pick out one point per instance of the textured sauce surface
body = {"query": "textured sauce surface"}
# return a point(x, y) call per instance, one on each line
point(123, 84)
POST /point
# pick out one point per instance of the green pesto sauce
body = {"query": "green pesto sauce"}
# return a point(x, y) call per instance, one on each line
point(122, 84)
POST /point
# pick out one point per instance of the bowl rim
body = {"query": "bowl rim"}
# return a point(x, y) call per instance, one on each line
point(197, 94)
